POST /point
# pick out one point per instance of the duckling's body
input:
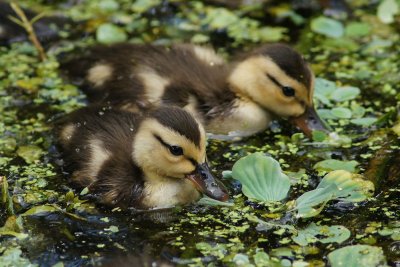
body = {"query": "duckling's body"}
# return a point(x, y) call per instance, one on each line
point(126, 159)
point(240, 98)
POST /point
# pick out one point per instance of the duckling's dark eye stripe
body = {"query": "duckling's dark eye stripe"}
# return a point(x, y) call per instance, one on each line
point(287, 90)
point(274, 81)
point(161, 141)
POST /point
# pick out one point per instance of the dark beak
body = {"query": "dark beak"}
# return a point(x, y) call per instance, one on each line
point(309, 121)
point(207, 184)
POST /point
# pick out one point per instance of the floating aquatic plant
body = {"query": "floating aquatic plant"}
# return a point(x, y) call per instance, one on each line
point(322, 233)
point(261, 177)
point(357, 255)
point(340, 185)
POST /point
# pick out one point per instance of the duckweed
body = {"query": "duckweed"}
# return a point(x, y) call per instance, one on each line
point(44, 221)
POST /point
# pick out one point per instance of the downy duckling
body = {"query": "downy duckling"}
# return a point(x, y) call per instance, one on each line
point(237, 99)
point(155, 160)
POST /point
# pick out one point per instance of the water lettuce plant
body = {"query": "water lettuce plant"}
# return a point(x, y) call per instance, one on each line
point(262, 179)
point(322, 233)
point(357, 255)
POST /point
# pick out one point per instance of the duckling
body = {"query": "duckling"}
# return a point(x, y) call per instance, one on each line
point(153, 160)
point(237, 99)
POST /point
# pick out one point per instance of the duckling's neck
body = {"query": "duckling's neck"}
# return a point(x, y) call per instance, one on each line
point(245, 116)
point(163, 192)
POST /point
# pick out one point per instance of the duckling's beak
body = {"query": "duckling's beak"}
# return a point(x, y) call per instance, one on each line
point(309, 121)
point(205, 182)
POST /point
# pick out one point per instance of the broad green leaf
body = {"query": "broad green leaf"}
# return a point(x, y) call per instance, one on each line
point(357, 110)
point(108, 5)
point(30, 153)
point(241, 259)
point(312, 202)
point(14, 227)
point(271, 34)
point(327, 26)
point(357, 29)
point(220, 18)
point(341, 113)
point(324, 87)
point(108, 33)
point(322, 233)
point(387, 9)
point(261, 177)
point(40, 209)
point(357, 255)
point(207, 201)
point(345, 93)
point(261, 258)
point(334, 164)
point(12, 256)
point(364, 121)
point(325, 114)
point(351, 187)
point(7, 144)
point(319, 136)
point(141, 6)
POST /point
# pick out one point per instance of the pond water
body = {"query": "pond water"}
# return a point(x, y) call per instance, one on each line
point(47, 222)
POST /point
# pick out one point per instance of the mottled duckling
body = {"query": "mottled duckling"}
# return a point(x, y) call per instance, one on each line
point(237, 99)
point(155, 160)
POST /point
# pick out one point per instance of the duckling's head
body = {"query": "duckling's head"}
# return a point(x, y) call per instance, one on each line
point(280, 80)
point(171, 144)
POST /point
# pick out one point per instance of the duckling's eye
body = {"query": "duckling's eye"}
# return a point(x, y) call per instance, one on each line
point(176, 150)
point(288, 91)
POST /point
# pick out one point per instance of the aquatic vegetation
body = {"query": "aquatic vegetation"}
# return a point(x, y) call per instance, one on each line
point(261, 178)
point(46, 222)
point(357, 255)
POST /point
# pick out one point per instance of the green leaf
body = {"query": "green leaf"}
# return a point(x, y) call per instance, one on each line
point(108, 5)
point(322, 233)
point(271, 34)
point(261, 258)
point(324, 87)
point(319, 136)
point(109, 33)
point(334, 164)
point(341, 113)
point(30, 153)
point(141, 6)
point(7, 144)
point(207, 201)
point(364, 121)
point(40, 209)
point(325, 114)
point(345, 93)
point(357, 29)
point(261, 177)
point(357, 255)
point(220, 18)
point(12, 256)
point(351, 187)
point(327, 26)
point(241, 259)
point(387, 9)
point(312, 202)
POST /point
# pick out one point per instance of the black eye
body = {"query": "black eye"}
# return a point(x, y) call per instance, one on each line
point(176, 150)
point(288, 91)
